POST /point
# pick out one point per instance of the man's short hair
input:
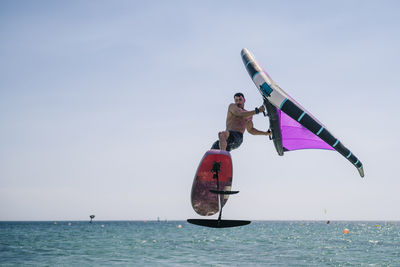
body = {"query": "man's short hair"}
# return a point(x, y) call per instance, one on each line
point(239, 95)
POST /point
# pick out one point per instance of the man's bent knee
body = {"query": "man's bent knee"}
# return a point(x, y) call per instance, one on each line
point(223, 135)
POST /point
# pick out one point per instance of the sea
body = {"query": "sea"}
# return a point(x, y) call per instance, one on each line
point(178, 243)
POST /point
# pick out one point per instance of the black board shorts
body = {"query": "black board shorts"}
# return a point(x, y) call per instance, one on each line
point(235, 139)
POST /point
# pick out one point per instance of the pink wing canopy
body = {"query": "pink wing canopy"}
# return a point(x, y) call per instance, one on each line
point(295, 136)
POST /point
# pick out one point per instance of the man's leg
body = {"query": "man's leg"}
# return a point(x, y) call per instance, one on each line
point(223, 137)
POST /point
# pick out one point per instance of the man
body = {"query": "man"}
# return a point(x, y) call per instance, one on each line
point(237, 121)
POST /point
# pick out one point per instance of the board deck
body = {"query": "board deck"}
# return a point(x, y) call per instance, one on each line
point(204, 202)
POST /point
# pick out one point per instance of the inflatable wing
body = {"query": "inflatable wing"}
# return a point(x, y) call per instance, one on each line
point(292, 126)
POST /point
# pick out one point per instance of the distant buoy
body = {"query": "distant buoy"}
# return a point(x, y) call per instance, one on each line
point(102, 225)
point(55, 223)
point(179, 226)
point(346, 231)
point(328, 222)
point(69, 224)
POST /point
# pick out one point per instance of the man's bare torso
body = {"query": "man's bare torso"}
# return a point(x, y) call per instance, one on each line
point(235, 123)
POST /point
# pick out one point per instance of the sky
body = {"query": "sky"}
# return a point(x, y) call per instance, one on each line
point(107, 107)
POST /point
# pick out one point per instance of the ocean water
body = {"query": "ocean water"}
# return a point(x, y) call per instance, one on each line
point(152, 243)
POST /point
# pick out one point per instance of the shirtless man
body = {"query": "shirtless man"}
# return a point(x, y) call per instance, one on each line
point(237, 121)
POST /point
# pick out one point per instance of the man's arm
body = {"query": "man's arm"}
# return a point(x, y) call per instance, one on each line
point(254, 131)
point(235, 110)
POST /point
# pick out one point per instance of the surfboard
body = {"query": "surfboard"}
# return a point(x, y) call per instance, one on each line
point(204, 196)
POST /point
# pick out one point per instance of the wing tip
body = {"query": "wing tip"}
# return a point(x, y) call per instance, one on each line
point(361, 171)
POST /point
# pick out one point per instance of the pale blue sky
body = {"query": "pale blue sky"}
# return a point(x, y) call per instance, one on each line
point(106, 107)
